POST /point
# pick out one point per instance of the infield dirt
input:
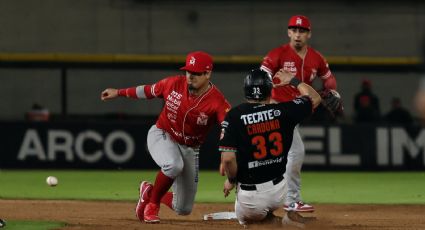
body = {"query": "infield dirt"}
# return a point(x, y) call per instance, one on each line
point(96, 215)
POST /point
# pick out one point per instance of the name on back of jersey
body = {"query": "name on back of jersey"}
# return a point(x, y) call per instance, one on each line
point(261, 122)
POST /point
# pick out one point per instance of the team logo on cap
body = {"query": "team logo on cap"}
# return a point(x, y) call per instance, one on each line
point(192, 60)
point(299, 21)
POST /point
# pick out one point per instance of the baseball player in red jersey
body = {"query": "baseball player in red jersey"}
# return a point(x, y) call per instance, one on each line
point(306, 64)
point(256, 138)
point(192, 106)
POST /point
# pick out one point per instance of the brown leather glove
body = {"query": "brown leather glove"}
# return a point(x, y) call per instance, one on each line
point(332, 101)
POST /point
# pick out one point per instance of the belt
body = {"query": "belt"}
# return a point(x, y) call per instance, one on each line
point(253, 187)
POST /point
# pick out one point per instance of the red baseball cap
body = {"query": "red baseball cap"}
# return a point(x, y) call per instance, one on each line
point(299, 21)
point(198, 62)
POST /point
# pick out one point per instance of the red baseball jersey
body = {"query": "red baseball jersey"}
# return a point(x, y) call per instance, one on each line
point(187, 118)
point(313, 65)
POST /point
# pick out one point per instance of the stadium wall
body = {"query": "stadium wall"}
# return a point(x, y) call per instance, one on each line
point(122, 145)
point(23, 87)
point(340, 28)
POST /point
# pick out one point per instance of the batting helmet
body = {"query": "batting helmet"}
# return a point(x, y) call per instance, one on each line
point(258, 85)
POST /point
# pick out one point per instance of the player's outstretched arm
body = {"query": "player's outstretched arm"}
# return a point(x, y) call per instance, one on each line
point(307, 90)
point(283, 77)
point(109, 93)
point(132, 92)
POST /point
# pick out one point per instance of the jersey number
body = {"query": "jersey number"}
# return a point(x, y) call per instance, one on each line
point(260, 143)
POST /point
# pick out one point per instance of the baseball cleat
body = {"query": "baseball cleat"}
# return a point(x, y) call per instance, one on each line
point(151, 213)
point(144, 195)
point(299, 207)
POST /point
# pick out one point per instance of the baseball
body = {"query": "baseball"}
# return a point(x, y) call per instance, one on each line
point(52, 181)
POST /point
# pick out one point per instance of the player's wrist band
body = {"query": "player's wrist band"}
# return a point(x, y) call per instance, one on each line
point(294, 82)
point(232, 180)
point(121, 93)
point(128, 92)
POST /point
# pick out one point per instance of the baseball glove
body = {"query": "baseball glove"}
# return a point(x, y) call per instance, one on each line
point(332, 101)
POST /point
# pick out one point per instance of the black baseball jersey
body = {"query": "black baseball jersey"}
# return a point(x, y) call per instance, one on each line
point(261, 136)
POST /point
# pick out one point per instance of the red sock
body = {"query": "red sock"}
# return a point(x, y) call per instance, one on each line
point(167, 199)
point(162, 185)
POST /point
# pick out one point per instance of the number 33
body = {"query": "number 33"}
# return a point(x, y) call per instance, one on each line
point(260, 143)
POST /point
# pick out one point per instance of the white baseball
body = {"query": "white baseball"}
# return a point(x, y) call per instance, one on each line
point(52, 181)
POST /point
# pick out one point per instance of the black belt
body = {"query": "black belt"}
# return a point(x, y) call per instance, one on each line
point(253, 187)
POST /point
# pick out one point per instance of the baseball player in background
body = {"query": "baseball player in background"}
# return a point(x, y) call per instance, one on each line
point(192, 106)
point(306, 64)
point(255, 140)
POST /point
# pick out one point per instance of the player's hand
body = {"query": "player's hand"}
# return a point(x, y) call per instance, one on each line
point(108, 94)
point(282, 77)
point(227, 187)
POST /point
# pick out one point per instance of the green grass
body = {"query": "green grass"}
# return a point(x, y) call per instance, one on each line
point(32, 225)
point(318, 187)
point(73, 185)
point(364, 187)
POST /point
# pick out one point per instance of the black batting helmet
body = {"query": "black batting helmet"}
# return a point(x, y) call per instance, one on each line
point(258, 85)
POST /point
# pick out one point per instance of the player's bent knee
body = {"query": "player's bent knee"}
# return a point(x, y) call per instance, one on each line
point(173, 170)
point(296, 169)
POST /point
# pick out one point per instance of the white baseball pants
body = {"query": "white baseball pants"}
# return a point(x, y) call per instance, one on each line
point(252, 206)
point(296, 156)
point(179, 162)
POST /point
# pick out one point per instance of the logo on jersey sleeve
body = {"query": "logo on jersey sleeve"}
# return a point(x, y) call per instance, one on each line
point(298, 101)
point(224, 125)
point(301, 100)
point(313, 74)
point(202, 119)
point(223, 131)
